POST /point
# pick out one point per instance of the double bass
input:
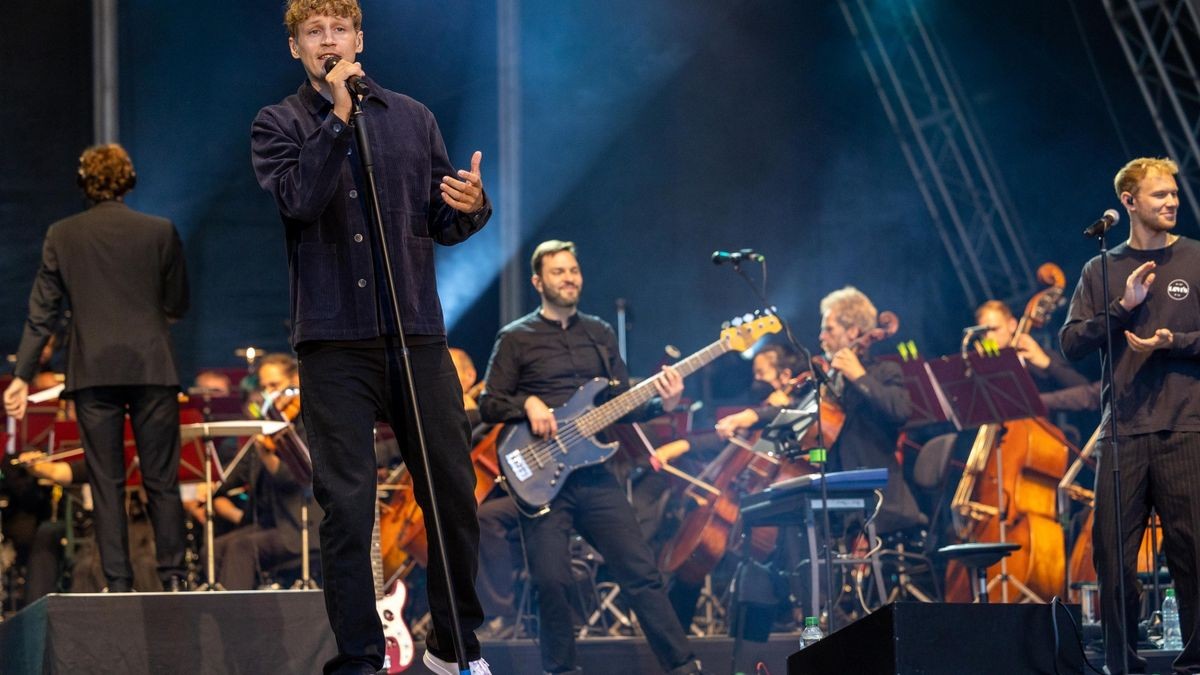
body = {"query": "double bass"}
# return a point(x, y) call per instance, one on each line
point(1014, 500)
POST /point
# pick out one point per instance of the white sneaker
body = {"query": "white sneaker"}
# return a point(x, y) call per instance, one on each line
point(478, 666)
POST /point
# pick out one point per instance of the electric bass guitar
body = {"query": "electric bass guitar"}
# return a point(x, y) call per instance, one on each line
point(535, 468)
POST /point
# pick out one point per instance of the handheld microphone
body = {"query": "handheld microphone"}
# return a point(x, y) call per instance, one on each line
point(722, 257)
point(971, 330)
point(354, 83)
point(1110, 218)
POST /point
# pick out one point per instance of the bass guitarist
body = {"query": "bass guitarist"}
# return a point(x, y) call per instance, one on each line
point(537, 363)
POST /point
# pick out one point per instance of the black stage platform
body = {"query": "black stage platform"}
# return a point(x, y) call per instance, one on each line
point(263, 632)
point(285, 632)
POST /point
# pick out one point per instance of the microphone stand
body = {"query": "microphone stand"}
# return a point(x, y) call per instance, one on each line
point(823, 451)
point(1110, 384)
point(368, 164)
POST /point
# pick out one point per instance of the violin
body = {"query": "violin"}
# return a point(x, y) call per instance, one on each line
point(283, 408)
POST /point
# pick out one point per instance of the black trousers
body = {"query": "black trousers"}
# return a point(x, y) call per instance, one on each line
point(498, 523)
point(594, 504)
point(240, 555)
point(345, 391)
point(154, 414)
point(1159, 470)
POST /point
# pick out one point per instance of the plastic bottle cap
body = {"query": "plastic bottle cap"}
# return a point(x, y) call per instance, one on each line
point(810, 621)
point(1170, 592)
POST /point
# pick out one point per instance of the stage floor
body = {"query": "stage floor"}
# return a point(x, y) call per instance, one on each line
point(261, 632)
point(286, 632)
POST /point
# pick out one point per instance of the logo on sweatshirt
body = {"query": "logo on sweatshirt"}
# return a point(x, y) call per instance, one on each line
point(1178, 289)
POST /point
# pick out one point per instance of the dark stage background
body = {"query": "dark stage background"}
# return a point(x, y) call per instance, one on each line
point(653, 133)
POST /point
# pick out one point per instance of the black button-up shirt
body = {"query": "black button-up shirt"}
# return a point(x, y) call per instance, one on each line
point(306, 158)
point(536, 356)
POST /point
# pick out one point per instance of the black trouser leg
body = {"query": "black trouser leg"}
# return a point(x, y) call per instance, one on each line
point(1135, 509)
point(547, 541)
point(154, 416)
point(342, 391)
point(45, 560)
point(100, 412)
point(448, 439)
point(608, 521)
point(498, 518)
point(1174, 477)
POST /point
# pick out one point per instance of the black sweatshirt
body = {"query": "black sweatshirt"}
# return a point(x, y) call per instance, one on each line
point(1159, 390)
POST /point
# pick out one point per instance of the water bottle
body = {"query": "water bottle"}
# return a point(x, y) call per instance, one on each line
point(812, 631)
point(1172, 636)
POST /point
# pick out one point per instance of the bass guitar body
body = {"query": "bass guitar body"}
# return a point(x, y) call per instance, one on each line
point(535, 468)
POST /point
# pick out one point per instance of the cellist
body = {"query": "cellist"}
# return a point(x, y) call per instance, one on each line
point(775, 370)
point(873, 397)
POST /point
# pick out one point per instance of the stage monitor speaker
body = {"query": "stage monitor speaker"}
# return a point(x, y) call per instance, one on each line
point(911, 638)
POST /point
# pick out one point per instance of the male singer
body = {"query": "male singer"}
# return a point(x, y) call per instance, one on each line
point(1153, 281)
point(351, 369)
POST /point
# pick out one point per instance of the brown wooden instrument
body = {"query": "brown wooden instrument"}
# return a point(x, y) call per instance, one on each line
point(712, 524)
point(1016, 500)
point(712, 520)
point(401, 521)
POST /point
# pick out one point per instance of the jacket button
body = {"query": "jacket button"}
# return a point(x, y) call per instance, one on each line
point(354, 194)
point(358, 238)
point(337, 128)
point(362, 283)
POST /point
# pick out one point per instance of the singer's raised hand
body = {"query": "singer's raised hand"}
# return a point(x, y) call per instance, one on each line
point(1137, 285)
point(336, 79)
point(466, 192)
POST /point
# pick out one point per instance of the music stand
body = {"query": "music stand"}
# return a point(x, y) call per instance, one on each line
point(782, 435)
point(207, 431)
point(923, 391)
point(982, 389)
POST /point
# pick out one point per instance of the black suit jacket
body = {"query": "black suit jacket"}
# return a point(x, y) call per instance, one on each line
point(122, 275)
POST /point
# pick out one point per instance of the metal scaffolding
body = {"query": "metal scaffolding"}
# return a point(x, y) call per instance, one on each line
point(944, 148)
point(1160, 40)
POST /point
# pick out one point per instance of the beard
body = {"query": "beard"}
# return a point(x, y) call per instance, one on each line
point(555, 298)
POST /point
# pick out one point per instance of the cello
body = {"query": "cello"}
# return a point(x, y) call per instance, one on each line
point(401, 521)
point(712, 524)
point(1008, 489)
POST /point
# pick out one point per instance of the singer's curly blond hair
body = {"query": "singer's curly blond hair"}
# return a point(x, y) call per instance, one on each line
point(105, 172)
point(852, 307)
point(1130, 176)
point(299, 11)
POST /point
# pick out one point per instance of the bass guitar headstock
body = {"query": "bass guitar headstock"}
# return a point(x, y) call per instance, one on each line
point(743, 331)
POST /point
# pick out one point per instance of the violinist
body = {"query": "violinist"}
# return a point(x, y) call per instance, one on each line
point(261, 495)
